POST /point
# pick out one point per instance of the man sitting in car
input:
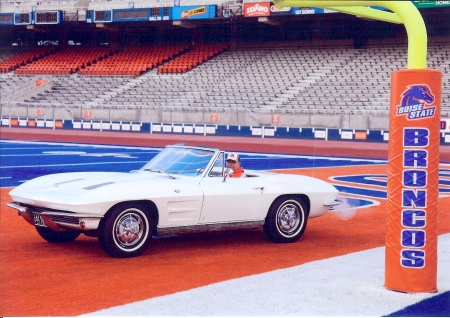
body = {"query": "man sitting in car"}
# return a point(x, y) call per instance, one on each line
point(234, 163)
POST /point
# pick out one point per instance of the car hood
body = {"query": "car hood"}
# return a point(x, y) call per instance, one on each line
point(80, 188)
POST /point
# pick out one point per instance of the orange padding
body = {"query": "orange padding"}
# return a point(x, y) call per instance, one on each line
point(413, 181)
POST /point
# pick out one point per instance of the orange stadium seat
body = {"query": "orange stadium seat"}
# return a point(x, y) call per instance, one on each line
point(198, 55)
point(65, 62)
point(25, 58)
point(134, 61)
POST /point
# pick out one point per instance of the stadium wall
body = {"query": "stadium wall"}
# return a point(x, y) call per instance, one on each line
point(327, 118)
point(186, 130)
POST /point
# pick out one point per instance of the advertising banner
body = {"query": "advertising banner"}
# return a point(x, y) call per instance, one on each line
point(257, 9)
point(413, 180)
point(311, 10)
point(431, 4)
point(283, 11)
point(314, 10)
point(264, 9)
point(194, 12)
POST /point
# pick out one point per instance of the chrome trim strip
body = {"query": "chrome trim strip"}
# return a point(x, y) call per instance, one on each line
point(13, 205)
point(70, 215)
point(209, 227)
point(333, 203)
point(22, 211)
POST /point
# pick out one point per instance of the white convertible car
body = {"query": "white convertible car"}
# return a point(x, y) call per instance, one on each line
point(182, 189)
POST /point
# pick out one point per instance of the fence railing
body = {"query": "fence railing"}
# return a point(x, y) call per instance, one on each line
point(18, 91)
point(318, 110)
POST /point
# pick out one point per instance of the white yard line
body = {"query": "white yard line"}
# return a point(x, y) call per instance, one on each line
point(73, 164)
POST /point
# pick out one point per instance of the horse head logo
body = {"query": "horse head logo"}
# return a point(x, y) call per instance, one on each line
point(417, 94)
point(414, 100)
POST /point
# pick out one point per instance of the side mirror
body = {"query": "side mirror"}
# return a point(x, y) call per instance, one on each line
point(226, 174)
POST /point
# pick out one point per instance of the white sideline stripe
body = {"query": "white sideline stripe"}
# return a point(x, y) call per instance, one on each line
point(349, 285)
point(77, 153)
point(31, 142)
point(157, 149)
point(74, 164)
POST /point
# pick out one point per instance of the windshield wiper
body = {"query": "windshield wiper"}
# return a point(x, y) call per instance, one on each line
point(160, 171)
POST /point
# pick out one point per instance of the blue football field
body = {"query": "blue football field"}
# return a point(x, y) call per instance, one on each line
point(21, 161)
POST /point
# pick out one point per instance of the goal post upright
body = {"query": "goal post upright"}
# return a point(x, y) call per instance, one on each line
point(413, 151)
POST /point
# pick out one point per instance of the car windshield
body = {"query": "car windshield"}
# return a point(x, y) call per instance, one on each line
point(182, 161)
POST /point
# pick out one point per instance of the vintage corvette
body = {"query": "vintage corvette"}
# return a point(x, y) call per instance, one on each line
point(181, 190)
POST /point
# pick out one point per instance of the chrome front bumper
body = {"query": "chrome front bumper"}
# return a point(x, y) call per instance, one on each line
point(58, 220)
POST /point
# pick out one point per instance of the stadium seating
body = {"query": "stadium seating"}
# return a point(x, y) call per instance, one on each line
point(10, 82)
point(284, 78)
point(65, 62)
point(330, 79)
point(197, 56)
point(70, 90)
point(133, 61)
point(11, 63)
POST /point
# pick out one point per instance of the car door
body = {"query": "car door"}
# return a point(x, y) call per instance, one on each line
point(235, 199)
point(181, 206)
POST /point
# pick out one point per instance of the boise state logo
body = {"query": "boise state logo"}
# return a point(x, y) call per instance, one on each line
point(415, 100)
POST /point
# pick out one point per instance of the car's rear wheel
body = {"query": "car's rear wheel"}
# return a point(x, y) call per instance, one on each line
point(57, 237)
point(126, 230)
point(286, 220)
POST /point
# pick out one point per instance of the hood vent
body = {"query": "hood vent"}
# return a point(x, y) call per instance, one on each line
point(96, 186)
point(60, 183)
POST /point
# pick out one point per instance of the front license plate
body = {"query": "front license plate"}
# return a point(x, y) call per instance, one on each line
point(38, 221)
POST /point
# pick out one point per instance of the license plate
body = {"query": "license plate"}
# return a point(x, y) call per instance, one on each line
point(38, 221)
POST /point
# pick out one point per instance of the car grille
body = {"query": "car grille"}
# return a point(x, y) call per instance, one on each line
point(56, 218)
point(64, 219)
point(38, 209)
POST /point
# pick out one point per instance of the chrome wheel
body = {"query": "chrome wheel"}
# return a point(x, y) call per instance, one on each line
point(126, 230)
point(286, 219)
point(129, 229)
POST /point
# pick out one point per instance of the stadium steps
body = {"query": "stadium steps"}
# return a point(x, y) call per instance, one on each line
point(316, 77)
point(120, 90)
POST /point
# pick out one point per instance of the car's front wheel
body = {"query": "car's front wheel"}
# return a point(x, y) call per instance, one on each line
point(57, 237)
point(286, 220)
point(126, 230)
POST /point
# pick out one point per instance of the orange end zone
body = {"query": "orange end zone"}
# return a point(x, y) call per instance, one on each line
point(42, 279)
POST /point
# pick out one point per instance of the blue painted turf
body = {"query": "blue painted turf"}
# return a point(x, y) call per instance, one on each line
point(437, 306)
point(21, 161)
